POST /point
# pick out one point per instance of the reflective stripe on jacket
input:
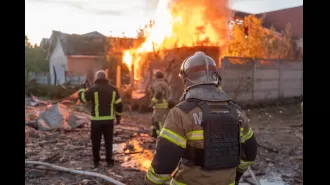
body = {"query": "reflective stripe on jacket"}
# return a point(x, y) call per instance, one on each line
point(105, 100)
point(179, 130)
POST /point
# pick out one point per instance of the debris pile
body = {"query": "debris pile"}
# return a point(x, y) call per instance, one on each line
point(278, 130)
point(56, 116)
point(59, 117)
point(132, 152)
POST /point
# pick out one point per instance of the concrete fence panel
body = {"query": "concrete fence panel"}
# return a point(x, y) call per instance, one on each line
point(257, 80)
point(75, 79)
point(38, 77)
point(237, 74)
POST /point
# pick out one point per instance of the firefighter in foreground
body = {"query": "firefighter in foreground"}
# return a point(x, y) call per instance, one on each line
point(160, 92)
point(206, 139)
point(106, 105)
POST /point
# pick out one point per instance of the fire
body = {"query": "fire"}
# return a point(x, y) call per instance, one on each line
point(127, 58)
point(146, 163)
point(180, 23)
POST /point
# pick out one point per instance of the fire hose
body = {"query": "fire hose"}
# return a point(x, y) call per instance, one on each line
point(60, 168)
point(253, 176)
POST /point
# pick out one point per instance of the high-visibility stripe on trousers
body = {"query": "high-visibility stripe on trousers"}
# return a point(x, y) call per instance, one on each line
point(175, 182)
point(157, 178)
point(244, 165)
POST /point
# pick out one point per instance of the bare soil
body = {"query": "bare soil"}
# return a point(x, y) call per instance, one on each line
point(278, 130)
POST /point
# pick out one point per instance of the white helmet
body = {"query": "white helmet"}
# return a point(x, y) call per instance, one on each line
point(198, 69)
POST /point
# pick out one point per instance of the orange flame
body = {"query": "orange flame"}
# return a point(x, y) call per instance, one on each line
point(180, 23)
point(127, 58)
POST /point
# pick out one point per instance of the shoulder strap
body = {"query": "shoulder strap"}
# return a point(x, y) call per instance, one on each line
point(187, 105)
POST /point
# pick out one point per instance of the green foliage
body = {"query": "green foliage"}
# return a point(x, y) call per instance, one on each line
point(35, 58)
point(49, 91)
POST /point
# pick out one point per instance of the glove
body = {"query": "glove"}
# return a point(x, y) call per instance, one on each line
point(118, 122)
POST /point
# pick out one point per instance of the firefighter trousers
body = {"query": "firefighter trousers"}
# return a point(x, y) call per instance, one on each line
point(99, 128)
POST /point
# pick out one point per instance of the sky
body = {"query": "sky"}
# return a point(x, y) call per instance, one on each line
point(111, 17)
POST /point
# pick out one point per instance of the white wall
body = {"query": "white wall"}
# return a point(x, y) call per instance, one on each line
point(60, 62)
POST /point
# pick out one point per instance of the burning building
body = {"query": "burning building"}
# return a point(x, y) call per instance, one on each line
point(181, 27)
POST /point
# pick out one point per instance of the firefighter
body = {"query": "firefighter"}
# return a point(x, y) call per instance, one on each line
point(159, 91)
point(202, 138)
point(106, 105)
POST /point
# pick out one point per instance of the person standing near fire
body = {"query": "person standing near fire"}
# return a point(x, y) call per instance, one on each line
point(206, 138)
point(106, 106)
point(160, 93)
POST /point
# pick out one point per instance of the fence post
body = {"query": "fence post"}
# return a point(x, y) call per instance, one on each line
point(280, 79)
point(253, 78)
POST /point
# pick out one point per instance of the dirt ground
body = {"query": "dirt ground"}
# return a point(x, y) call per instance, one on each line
point(278, 129)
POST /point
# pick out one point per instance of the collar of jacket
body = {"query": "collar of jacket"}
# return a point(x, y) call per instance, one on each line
point(101, 81)
point(207, 92)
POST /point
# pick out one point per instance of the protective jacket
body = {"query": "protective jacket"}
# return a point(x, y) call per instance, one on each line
point(202, 140)
point(159, 93)
point(105, 99)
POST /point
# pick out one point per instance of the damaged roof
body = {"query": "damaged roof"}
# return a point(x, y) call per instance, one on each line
point(92, 43)
point(94, 34)
point(73, 44)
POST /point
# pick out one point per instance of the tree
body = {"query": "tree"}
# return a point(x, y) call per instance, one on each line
point(252, 40)
point(27, 42)
point(247, 39)
point(35, 58)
